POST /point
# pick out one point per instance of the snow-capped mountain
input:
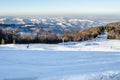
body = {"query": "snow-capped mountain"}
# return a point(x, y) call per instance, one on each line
point(56, 25)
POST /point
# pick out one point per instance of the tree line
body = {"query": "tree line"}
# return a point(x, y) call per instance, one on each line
point(113, 30)
point(10, 35)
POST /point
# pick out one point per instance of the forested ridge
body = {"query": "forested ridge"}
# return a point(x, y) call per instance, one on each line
point(14, 35)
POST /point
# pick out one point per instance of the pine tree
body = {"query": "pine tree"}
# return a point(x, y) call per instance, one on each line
point(14, 42)
point(2, 41)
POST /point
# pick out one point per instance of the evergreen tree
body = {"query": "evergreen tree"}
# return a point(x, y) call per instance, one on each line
point(14, 42)
point(2, 41)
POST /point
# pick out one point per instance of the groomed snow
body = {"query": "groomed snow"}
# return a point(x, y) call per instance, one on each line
point(59, 65)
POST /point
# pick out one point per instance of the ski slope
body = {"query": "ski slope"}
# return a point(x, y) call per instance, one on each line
point(59, 65)
point(96, 59)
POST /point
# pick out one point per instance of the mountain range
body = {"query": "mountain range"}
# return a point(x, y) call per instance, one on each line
point(55, 25)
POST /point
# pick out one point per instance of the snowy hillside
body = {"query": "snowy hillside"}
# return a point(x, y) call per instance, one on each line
point(98, 44)
point(56, 25)
point(96, 59)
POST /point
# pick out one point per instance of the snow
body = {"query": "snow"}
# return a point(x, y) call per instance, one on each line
point(81, 20)
point(59, 65)
point(96, 59)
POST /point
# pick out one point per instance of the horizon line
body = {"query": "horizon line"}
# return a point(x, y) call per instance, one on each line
point(74, 14)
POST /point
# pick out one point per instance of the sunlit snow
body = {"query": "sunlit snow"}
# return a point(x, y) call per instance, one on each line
point(96, 59)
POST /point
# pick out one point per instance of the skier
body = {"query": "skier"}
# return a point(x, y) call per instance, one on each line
point(28, 45)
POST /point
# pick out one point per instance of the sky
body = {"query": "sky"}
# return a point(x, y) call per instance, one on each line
point(48, 7)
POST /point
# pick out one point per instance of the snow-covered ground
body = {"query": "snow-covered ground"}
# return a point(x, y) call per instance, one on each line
point(98, 44)
point(97, 59)
point(59, 65)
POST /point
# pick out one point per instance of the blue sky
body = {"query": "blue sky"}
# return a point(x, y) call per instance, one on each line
point(37, 7)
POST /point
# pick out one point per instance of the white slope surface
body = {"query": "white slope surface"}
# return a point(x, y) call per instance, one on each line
point(59, 65)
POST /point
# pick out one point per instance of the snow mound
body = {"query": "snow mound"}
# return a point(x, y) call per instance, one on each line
point(110, 75)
